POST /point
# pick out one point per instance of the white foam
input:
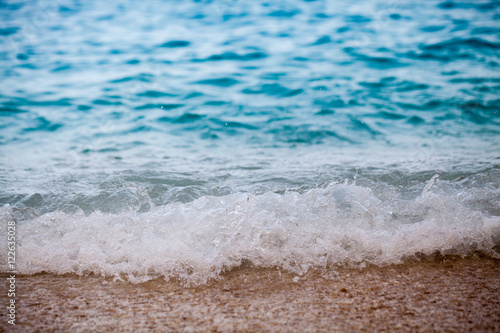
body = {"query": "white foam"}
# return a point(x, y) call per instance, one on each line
point(196, 241)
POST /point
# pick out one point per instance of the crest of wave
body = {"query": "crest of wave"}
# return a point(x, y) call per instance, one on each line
point(196, 241)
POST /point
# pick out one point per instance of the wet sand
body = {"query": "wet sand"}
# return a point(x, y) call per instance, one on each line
point(446, 295)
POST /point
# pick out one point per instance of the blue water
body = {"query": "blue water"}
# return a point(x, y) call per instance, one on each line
point(291, 133)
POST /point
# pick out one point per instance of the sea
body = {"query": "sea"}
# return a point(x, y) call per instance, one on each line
point(180, 140)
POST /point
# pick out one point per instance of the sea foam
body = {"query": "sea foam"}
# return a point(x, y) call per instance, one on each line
point(341, 224)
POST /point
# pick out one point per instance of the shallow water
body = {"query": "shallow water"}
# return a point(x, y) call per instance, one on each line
point(182, 138)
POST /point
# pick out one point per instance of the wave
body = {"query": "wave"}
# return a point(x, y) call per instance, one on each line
point(341, 224)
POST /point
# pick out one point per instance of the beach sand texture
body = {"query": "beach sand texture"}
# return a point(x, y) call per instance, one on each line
point(441, 295)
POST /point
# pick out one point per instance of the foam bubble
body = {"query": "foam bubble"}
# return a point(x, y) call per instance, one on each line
point(196, 241)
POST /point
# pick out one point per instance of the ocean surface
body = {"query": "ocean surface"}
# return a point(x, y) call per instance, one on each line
point(182, 139)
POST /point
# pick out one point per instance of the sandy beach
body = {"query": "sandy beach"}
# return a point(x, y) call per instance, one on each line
point(250, 166)
point(446, 295)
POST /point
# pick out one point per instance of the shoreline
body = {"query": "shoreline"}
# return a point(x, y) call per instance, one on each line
point(448, 295)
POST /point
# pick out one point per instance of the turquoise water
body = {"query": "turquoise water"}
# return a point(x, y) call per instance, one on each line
point(180, 138)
